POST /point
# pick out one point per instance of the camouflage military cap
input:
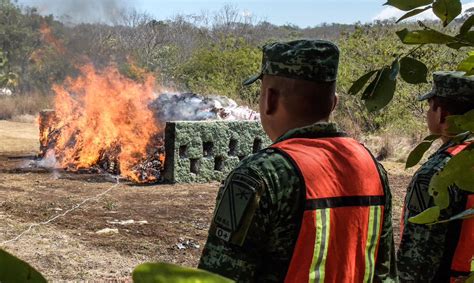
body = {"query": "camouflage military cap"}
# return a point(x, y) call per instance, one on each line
point(452, 85)
point(312, 60)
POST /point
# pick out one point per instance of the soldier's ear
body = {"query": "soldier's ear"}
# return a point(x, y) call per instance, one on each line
point(271, 99)
point(442, 115)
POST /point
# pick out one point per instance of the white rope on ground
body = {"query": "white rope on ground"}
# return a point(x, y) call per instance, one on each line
point(62, 214)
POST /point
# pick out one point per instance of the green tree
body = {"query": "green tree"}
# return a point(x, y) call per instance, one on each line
point(372, 45)
point(380, 92)
point(218, 68)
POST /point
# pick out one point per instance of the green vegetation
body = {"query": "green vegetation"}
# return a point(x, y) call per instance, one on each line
point(170, 273)
point(213, 55)
point(16, 270)
point(387, 63)
point(204, 55)
point(380, 91)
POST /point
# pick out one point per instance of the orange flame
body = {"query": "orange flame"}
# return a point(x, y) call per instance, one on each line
point(100, 110)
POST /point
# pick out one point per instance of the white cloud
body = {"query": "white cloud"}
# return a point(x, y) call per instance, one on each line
point(390, 12)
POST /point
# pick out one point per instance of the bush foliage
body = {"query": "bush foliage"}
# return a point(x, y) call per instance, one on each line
point(210, 55)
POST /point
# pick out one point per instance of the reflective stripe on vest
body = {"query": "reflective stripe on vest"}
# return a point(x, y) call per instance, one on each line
point(340, 231)
point(463, 260)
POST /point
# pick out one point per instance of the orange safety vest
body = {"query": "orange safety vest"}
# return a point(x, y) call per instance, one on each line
point(462, 263)
point(340, 231)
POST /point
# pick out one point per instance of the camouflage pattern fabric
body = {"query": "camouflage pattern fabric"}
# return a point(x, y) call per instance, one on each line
point(452, 85)
point(255, 244)
point(312, 60)
point(426, 252)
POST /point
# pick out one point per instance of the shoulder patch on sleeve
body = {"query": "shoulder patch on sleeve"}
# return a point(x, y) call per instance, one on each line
point(236, 208)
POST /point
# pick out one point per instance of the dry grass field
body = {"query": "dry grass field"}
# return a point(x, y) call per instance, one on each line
point(169, 224)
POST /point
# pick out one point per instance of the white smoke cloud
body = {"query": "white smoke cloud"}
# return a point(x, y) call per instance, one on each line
point(390, 12)
point(49, 160)
point(193, 107)
point(81, 11)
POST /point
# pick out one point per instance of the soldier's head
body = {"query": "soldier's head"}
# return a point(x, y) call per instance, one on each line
point(298, 84)
point(452, 94)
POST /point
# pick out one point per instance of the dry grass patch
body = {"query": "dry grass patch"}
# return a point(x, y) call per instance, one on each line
point(18, 138)
point(17, 105)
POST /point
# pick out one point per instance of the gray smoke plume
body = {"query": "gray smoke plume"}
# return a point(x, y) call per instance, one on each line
point(81, 11)
point(194, 107)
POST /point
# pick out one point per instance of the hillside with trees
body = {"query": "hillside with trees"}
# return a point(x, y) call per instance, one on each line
point(209, 54)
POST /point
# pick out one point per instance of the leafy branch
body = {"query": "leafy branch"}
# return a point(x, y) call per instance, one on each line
point(459, 171)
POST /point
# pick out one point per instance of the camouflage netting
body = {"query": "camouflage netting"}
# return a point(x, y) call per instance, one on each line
point(203, 151)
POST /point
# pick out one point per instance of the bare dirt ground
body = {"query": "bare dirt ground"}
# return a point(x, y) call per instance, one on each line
point(69, 248)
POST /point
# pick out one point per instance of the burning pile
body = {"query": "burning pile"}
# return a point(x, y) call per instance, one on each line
point(102, 119)
point(105, 122)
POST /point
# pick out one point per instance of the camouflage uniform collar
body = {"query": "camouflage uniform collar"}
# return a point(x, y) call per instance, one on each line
point(319, 129)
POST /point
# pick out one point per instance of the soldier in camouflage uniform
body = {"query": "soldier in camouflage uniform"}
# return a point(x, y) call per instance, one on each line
point(260, 205)
point(426, 252)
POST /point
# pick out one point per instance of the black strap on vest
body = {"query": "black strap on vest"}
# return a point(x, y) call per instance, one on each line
point(333, 202)
point(318, 135)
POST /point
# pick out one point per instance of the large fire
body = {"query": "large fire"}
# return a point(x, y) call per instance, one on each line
point(102, 112)
point(105, 122)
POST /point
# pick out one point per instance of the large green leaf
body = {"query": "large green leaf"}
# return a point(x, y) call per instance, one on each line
point(461, 123)
point(424, 37)
point(413, 71)
point(413, 13)
point(407, 5)
point(395, 69)
point(427, 216)
point(416, 154)
point(457, 45)
point(467, 65)
point(458, 171)
point(170, 273)
point(467, 25)
point(380, 91)
point(361, 82)
point(447, 10)
point(468, 38)
point(440, 197)
point(369, 90)
point(15, 270)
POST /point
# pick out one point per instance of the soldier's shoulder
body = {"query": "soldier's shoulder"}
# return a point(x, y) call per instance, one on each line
point(269, 164)
point(265, 159)
point(433, 164)
point(277, 172)
point(268, 154)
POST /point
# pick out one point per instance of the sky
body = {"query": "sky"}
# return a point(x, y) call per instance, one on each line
point(303, 13)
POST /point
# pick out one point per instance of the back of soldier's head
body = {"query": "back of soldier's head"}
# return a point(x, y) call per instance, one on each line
point(304, 74)
point(304, 99)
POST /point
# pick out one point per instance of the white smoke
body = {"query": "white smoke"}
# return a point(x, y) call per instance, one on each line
point(193, 107)
point(81, 11)
point(48, 161)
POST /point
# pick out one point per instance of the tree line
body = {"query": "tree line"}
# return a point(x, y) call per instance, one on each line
point(206, 54)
